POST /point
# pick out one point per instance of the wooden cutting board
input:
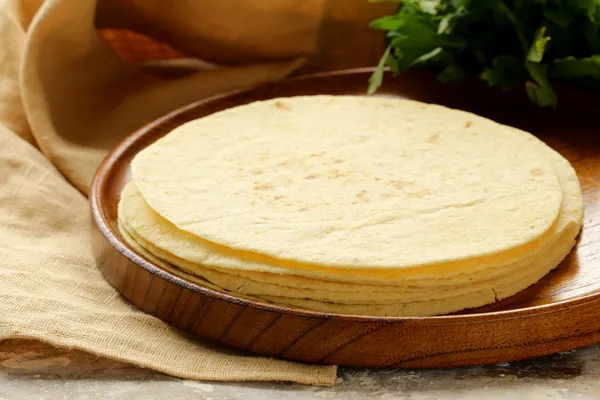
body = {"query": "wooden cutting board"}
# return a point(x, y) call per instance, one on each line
point(558, 313)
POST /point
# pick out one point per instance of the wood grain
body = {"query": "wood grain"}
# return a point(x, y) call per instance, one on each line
point(556, 314)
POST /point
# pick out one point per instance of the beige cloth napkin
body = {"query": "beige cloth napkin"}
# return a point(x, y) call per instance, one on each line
point(66, 98)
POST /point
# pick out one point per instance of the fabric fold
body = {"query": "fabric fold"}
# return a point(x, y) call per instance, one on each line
point(66, 98)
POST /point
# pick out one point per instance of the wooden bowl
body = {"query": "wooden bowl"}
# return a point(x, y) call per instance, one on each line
point(557, 314)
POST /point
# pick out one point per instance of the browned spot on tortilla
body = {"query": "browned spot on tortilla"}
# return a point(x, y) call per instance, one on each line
point(257, 172)
point(278, 197)
point(361, 197)
point(536, 172)
point(282, 105)
point(420, 193)
point(311, 177)
point(433, 138)
point(336, 173)
point(400, 184)
point(377, 179)
point(468, 124)
point(263, 187)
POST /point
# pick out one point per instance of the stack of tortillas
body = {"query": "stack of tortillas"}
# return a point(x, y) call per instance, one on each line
point(353, 205)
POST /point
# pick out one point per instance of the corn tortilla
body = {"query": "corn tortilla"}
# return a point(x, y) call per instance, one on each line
point(354, 183)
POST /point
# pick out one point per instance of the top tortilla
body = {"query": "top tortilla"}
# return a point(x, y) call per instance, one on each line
point(352, 182)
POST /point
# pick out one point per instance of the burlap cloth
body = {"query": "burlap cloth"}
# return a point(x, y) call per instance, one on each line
point(69, 91)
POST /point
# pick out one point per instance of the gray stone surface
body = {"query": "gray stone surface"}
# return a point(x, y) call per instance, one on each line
point(30, 370)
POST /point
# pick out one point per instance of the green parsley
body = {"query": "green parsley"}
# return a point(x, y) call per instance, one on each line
point(506, 43)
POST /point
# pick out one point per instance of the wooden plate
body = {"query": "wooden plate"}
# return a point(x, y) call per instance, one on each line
point(557, 314)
